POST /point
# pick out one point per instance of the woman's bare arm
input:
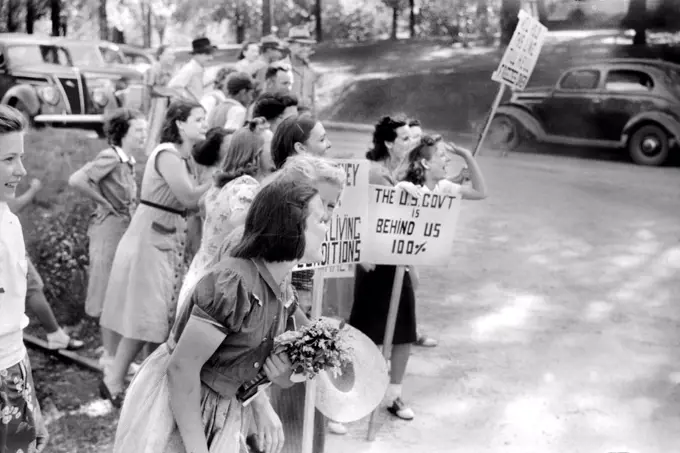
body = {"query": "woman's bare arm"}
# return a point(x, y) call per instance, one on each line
point(173, 169)
point(199, 340)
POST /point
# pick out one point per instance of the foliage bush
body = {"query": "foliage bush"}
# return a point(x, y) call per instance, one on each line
point(55, 226)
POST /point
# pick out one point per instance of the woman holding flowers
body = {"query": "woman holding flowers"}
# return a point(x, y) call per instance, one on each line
point(184, 397)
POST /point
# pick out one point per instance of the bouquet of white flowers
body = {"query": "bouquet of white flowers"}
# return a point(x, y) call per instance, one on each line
point(312, 349)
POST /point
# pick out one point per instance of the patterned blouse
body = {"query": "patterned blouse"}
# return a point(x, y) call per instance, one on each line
point(219, 205)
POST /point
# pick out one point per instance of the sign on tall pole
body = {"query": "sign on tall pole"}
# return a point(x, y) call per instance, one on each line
point(517, 64)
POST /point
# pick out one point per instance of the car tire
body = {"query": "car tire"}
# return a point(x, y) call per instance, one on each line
point(649, 145)
point(508, 139)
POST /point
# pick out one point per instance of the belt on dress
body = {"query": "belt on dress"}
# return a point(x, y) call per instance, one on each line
point(163, 208)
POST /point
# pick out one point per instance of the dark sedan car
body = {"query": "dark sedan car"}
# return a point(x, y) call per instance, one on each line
point(629, 104)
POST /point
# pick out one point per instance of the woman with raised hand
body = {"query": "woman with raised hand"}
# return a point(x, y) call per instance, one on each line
point(109, 180)
point(183, 398)
point(225, 205)
point(146, 274)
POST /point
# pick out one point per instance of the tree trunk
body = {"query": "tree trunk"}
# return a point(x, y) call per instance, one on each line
point(12, 20)
point(55, 17)
point(637, 20)
point(266, 17)
point(319, 24)
point(395, 23)
point(240, 33)
point(509, 20)
point(147, 24)
point(412, 18)
point(103, 21)
point(30, 16)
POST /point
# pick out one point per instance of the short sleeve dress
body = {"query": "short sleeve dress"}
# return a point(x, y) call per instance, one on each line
point(373, 290)
point(242, 300)
point(113, 172)
point(141, 296)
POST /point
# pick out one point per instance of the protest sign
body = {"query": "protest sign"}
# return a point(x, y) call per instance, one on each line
point(520, 57)
point(517, 64)
point(403, 230)
point(344, 240)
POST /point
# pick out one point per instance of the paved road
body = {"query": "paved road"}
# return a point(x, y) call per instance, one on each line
point(557, 316)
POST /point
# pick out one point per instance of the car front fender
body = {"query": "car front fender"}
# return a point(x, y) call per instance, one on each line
point(26, 94)
point(524, 117)
point(664, 119)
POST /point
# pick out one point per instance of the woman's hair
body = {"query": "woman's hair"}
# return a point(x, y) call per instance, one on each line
point(275, 225)
point(221, 77)
point(415, 172)
point(244, 48)
point(292, 130)
point(314, 169)
point(272, 105)
point(11, 120)
point(160, 51)
point(117, 124)
point(207, 152)
point(242, 156)
point(178, 110)
point(385, 131)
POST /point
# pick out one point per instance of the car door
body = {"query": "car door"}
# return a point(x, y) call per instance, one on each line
point(626, 93)
point(570, 109)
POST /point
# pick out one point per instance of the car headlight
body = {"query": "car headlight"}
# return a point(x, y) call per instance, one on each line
point(100, 97)
point(49, 94)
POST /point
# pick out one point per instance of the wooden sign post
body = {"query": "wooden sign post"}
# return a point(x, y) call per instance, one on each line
point(389, 335)
point(517, 64)
point(310, 389)
point(342, 249)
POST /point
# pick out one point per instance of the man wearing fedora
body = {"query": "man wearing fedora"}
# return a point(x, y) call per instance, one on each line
point(271, 51)
point(301, 46)
point(189, 79)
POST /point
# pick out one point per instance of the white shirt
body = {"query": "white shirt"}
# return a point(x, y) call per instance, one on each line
point(236, 117)
point(446, 187)
point(210, 100)
point(13, 268)
point(189, 78)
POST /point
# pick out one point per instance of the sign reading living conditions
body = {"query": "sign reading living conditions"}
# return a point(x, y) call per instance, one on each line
point(520, 57)
point(344, 242)
point(403, 230)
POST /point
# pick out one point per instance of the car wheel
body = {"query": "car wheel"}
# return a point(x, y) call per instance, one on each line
point(505, 133)
point(649, 145)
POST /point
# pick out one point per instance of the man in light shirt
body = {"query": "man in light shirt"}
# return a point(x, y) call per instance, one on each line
point(231, 114)
point(189, 79)
point(278, 78)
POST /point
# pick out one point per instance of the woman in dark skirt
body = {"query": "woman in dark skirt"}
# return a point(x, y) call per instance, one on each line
point(373, 284)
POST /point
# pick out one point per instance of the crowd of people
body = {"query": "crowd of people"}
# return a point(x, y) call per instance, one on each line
point(194, 269)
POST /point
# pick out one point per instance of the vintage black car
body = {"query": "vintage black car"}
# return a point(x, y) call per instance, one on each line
point(631, 104)
point(104, 65)
point(37, 77)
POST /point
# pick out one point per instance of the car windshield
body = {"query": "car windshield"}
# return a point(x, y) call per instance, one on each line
point(86, 56)
point(28, 54)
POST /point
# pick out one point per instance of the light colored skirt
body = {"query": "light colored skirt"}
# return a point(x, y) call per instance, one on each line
point(104, 237)
point(147, 424)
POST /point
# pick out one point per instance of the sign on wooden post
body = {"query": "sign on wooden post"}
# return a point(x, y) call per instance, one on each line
point(410, 231)
point(344, 242)
point(517, 64)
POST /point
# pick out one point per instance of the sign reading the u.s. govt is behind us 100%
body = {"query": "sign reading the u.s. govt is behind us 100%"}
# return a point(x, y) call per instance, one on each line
point(404, 230)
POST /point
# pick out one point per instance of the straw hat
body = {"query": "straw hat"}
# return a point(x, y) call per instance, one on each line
point(362, 385)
